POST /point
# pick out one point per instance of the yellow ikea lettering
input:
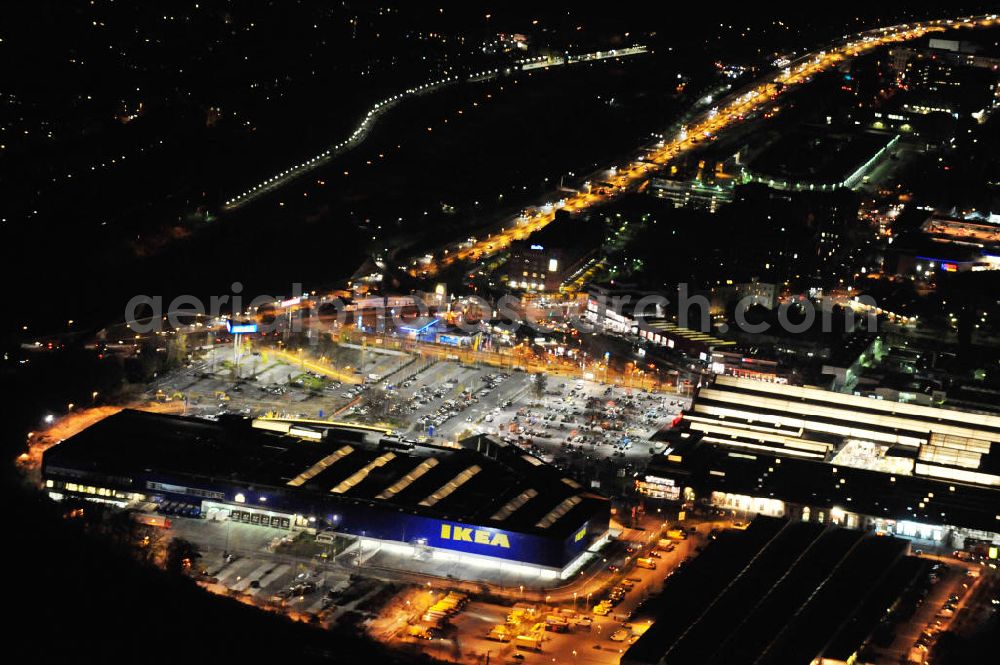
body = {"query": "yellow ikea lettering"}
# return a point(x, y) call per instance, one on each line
point(580, 534)
point(478, 536)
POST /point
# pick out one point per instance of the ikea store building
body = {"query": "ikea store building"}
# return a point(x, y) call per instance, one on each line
point(487, 503)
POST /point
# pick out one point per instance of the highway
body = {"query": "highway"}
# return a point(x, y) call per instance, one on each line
point(704, 127)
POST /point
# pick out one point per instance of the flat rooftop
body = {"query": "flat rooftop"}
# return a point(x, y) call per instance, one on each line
point(815, 483)
point(962, 230)
point(811, 423)
point(497, 485)
point(788, 592)
point(662, 326)
point(818, 155)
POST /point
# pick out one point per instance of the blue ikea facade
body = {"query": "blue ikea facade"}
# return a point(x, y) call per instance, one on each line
point(481, 540)
point(490, 501)
point(370, 520)
point(373, 521)
point(474, 539)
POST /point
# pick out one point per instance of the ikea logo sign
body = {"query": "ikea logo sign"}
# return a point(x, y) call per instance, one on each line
point(469, 535)
point(580, 534)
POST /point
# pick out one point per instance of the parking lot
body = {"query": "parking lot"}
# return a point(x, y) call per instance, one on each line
point(945, 592)
point(268, 383)
point(572, 628)
point(437, 398)
point(585, 417)
point(278, 569)
point(449, 399)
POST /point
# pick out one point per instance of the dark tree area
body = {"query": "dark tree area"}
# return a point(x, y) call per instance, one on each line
point(80, 597)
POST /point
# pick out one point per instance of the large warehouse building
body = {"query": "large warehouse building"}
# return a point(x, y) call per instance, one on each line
point(904, 469)
point(782, 592)
point(489, 504)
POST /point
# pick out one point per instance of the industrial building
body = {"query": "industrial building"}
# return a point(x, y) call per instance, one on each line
point(785, 592)
point(814, 159)
point(489, 505)
point(945, 244)
point(818, 456)
point(691, 193)
point(946, 76)
point(642, 314)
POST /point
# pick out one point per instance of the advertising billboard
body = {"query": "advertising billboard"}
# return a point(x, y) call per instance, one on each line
point(241, 327)
point(457, 536)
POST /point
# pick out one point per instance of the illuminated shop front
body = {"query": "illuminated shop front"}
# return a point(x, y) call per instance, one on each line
point(656, 487)
point(748, 504)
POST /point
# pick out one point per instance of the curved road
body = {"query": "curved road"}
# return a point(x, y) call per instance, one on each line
point(731, 109)
point(361, 132)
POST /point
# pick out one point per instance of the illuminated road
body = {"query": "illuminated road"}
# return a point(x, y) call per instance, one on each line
point(734, 108)
point(523, 358)
point(318, 367)
point(360, 133)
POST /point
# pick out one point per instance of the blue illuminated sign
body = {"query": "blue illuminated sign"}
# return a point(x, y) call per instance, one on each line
point(421, 328)
point(237, 328)
point(467, 534)
point(487, 541)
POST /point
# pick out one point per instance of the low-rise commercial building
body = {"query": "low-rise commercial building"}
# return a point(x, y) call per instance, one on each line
point(814, 455)
point(490, 505)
